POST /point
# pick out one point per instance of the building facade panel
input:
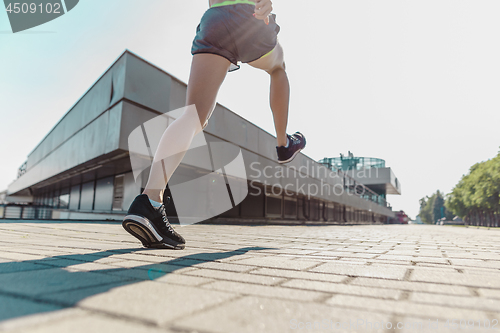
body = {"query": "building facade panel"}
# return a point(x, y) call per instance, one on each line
point(94, 140)
point(104, 190)
point(94, 102)
point(147, 85)
point(178, 94)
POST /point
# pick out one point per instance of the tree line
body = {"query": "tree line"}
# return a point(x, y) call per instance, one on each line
point(476, 197)
point(433, 208)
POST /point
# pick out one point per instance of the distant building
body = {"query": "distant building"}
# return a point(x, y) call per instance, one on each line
point(378, 179)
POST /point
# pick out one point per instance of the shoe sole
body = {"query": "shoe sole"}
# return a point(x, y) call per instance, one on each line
point(143, 230)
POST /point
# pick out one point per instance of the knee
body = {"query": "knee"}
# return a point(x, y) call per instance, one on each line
point(279, 59)
point(277, 69)
point(191, 118)
point(199, 116)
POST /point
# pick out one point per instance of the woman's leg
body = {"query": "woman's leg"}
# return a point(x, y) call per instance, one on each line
point(274, 64)
point(207, 74)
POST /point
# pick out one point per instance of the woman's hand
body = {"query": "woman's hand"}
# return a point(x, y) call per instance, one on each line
point(262, 10)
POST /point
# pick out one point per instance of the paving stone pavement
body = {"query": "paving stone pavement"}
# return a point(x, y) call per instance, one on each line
point(94, 277)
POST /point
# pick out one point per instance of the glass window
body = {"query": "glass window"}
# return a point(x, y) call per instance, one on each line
point(87, 196)
point(314, 210)
point(49, 199)
point(64, 198)
point(131, 189)
point(273, 206)
point(300, 207)
point(253, 205)
point(74, 198)
point(118, 192)
point(104, 194)
point(55, 199)
point(290, 207)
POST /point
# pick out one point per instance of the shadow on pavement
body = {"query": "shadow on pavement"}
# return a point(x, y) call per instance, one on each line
point(37, 286)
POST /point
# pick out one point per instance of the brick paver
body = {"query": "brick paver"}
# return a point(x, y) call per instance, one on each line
point(86, 277)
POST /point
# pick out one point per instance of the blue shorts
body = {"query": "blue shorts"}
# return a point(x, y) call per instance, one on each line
point(232, 32)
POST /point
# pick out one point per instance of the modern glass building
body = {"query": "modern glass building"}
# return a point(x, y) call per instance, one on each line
point(379, 180)
point(350, 162)
point(82, 169)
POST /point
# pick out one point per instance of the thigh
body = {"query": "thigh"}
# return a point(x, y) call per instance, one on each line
point(208, 71)
point(272, 61)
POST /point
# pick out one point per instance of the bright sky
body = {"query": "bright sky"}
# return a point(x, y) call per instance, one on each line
point(413, 82)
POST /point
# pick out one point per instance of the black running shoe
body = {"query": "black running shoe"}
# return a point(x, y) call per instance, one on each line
point(150, 225)
point(296, 142)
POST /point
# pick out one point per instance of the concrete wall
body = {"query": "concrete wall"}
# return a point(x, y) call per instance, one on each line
point(378, 177)
point(132, 92)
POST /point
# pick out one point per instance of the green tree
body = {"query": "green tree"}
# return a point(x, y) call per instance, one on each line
point(476, 197)
point(455, 201)
point(438, 206)
point(426, 209)
point(433, 208)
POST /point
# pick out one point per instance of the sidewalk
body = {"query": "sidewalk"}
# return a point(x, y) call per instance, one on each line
point(94, 277)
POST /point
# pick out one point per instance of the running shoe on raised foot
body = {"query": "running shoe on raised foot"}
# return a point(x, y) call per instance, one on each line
point(296, 142)
point(150, 225)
